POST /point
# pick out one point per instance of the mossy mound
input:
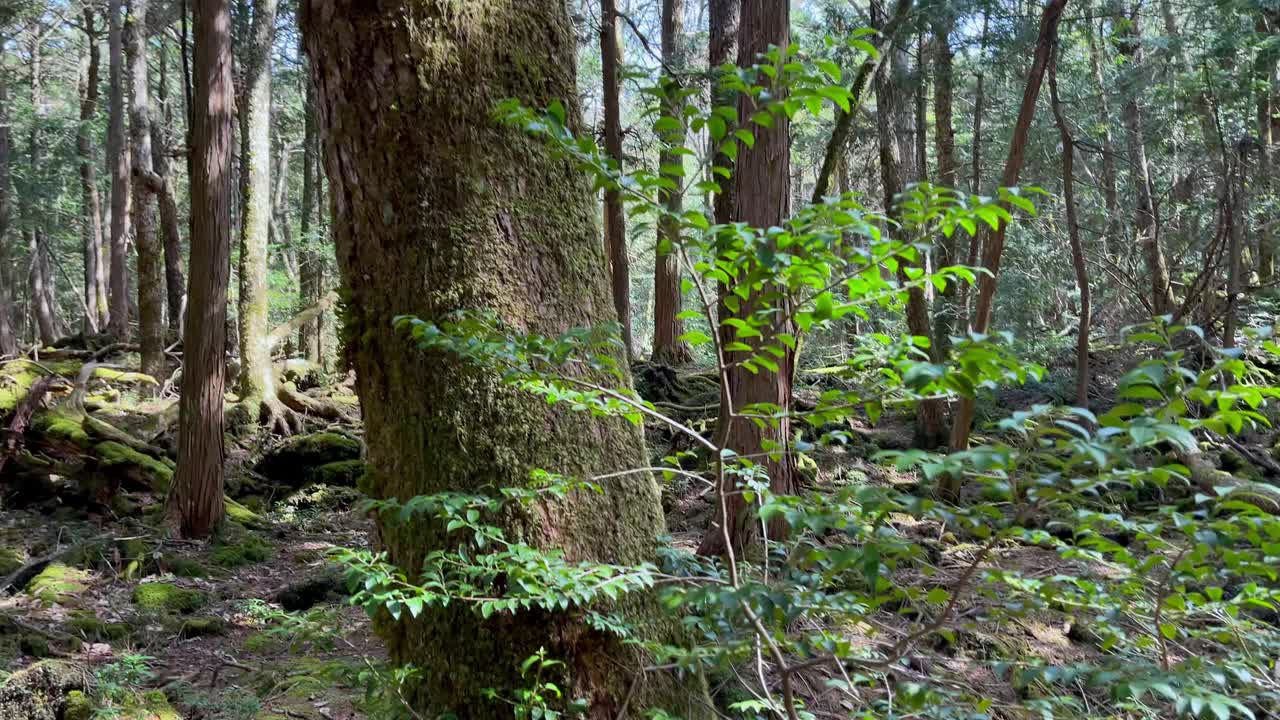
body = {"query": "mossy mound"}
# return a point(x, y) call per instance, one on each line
point(241, 514)
point(40, 692)
point(87, 624)
point(77, 706)
point(63, 425)
point(139, 467)
point(168, 597)
point(58, 584)
point(344, 473)
point(202, 626)
point(186, 568)
point(10, 560)
point(17, 376)
point(242, 550)
point(292, 462)
point(327, 498)
point(151, 705)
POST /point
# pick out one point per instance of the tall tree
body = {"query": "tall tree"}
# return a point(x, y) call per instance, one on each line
point(8, 338)
point(170, 224)
point(310, 260)
point(992, 241)
point(257, 379)
point(897, 133)
point(470, 213)
point(1130, 47)
point(195, 505)
point(667, 300)
point(1110, 194)
point(95, 286)
point(151, 286)
point(1073, 236)
point(118, 162)
point(946, 311)
point(615, 226)
point(761, 199)
point(40, 275)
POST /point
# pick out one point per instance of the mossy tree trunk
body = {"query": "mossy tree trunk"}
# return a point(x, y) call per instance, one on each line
point(310, 261)
point(118, 161)
point(257, 382)
point(195, 505)
point(8, 339)
point(438, 207)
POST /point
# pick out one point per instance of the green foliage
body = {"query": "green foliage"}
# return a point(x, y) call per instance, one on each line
point(167, 597)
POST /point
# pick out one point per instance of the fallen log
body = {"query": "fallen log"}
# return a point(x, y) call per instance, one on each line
point(16, 432)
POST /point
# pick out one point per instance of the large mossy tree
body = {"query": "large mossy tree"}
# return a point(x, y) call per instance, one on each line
point(440, 207)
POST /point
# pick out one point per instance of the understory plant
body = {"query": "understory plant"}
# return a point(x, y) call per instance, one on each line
point(1110, 526)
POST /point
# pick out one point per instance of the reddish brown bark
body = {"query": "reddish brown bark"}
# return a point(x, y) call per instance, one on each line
point(195, 505)
point(615, 227)
point(667, 299)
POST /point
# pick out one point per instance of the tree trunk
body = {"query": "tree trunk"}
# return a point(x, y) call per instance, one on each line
point(1144, 212)
point(975, 178)
point(1267, 112)
point(118, 160)
point(1110, 195)
point(468, 212)
point(722, 48)
point(41, 279)
point(170, 224)
point(311, 262)
point(151, 288)
point(195, 505)
point(1238, 209)
point(992, 242)
point(615, 230)
point(761, 199)
point(946, 311)
point(896, 125)
point(1073, 235)
point(667, 295)
point(257, 381)
point(8, 338)
point(95, 295)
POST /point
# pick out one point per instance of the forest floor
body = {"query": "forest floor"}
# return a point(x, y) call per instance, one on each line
point(215, 627)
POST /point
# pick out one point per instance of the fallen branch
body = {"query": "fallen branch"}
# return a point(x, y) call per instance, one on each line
point(288, 394)
point(311, 313)
point(16, 432)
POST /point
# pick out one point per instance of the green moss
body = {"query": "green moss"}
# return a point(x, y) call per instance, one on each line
point(88, 625)
point(63, 425)
point(168, 597)
point(292, 461)
point(58, 584)
point(202, 626)
point(157, 474)
point(36, 646)
point(10, 560)
point(241, 514)
point(77, 706)
point(152, 705)
point(242, 551)
point(262, 643)
point(344, 473)
point(187, 568)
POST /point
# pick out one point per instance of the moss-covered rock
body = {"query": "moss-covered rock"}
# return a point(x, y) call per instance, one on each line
point(202, 626)
point(58, 584)
point(168, 597)
point(40, 691)
point(143, 469)
point(241, 514)
point(10, 560)
point(152, 705)
point(242, 550)
point(344, 473)
point(186, 567)
point(63, 425)
point(292, 462)
point(77, 706)
point(87, 624)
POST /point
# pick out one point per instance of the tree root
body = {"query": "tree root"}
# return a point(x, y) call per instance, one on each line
point(315, 407)
point(1208, 479)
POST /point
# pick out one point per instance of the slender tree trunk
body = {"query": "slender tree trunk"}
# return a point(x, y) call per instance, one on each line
point(1110, 195)
point(896, 125)
point(948, 249)
point(195, 505)
point(170, 224)
point(8, 338)
point(975, 176)
point(118, 160)
point(615, 230)
point(667, 300)
point(311, 263)
point(257, 382)
point(722, 48)
point(145, 184)
point(761, 199)
point(1238, 209)
point(1265, 82)
point(41, 279)
point(500, 203)
point(1073, 235)
point(992, 242)
point(95, 294)
point(1145, 221)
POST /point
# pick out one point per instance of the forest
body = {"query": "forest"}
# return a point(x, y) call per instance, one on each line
point(605, 359)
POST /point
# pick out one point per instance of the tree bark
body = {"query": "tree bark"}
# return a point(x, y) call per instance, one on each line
point(170, 224)
point(1238, 209)
point(1073, 235)
point(667, 294)
point(42, 280)
point(151, 288)
point(1145, 220)
point(1110, 195)
point(946, 311)
point(468, 212)
point(615, 226)
point(95, 291)
point(257, 381)
point(195, 506)
point(975, 176)
point(118, 160)
point(992, 242)
point(1267, 114)
point(310, 262)
point(761, 199)
point(896, 126)
point(8, 338)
